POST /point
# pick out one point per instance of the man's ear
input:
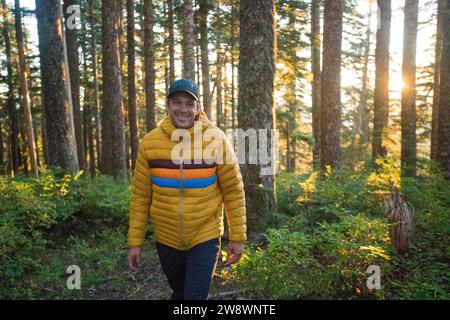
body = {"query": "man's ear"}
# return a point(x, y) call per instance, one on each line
point(167, 106)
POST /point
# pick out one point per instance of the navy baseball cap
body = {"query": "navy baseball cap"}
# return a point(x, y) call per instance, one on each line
point(185, 85)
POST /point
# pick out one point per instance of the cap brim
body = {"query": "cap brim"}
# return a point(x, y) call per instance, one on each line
point(193, 95)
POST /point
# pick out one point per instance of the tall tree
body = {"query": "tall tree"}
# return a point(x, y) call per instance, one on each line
point(363, 117)
point(171, 41)
point(132, 112)
point(149, 58)
point(203, 19)
point(113, 136)
point(315, 65)
point(219, 101)
point(331, 84)
point(361, 123)
point(88, 104)
point(408, 100)
point(444, 98)
point(74, 65)
point(381, 100)
point(10, 103)
point(437, 71)
point(188, 40)
point(56, 97)
point(234, 39)
point(96, 111)
point(26, 104)
point(256, 104)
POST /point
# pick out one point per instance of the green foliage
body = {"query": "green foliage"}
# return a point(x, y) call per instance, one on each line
point(333, 229)
point(328, 263)
point(425, 272)
point(105, 200)
point(40, 214)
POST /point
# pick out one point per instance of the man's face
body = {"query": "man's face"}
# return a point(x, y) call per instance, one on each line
point(183, 109)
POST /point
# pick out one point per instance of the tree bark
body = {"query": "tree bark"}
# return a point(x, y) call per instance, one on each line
point(437, 71)
point(188, 41)
point(2, 152)
point(408, 100)
point(10, 103)
point(171, 41)
point(234, 21)
point(28, 121)
point(219, 113)
point(331, 85)
point(88, 107)
point(316, 84)
point(444, 97)
point(113, 138)
point(74, 64)
point(362, 114)
point(56, 95)
point(256, 103)
point(203, 17)
point(149, 57)
point(132, 112)
point(96, 111)
point(381, 100)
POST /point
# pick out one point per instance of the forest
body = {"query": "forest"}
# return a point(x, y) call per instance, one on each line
point(358, 92)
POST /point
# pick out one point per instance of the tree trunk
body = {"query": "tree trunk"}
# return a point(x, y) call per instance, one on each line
point(96, 111)
point(149, 53)
point(408, 100)
point(256, 103)
point(315, 64)
point(113, 138)
point(197, 53)
point(331, 85)
point(381, 100)
point(444, 98)
point(291, 101)
point(74, 64)
point(437, 71)
point(171, 41)
point(2, 152)
point(203, 17)
point(23, 148)
point(362, 113)
point(234, 21)
point(88, 107)
point(56, 95)
point(132, 113)
point(219, 113)
point(10, 103)
point(188, 41)
point(28, 121)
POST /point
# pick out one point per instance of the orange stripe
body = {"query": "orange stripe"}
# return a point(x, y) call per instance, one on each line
point(187, 173)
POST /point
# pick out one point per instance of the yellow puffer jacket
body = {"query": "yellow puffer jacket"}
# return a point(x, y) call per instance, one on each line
point(184, 200)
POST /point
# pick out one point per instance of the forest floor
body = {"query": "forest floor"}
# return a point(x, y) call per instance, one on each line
point(328, 230)
point(104, 272)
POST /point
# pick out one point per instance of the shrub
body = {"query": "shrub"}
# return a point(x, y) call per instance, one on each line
point(330, 263)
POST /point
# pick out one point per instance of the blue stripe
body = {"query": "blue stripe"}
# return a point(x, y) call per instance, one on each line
point(187, 184)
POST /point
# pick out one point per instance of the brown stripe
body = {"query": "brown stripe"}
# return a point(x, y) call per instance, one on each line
point(169, 164)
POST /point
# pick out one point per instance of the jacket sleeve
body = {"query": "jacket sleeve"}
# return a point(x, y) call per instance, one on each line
point(141, 198)
point(230, 181)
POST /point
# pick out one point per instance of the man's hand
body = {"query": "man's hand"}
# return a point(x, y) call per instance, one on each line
point(134, 258)
point(235, 250)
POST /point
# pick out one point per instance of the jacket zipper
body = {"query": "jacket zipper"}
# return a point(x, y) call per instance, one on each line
point(180, 208)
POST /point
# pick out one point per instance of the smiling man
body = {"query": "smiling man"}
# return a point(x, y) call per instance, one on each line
point(184, 198)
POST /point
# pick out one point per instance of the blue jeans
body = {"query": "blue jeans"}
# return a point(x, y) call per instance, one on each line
point(189, 273)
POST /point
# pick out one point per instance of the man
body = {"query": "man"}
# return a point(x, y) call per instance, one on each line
point(182, 189)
